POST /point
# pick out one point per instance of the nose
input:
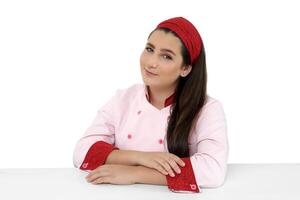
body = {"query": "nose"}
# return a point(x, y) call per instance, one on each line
point(153, 62)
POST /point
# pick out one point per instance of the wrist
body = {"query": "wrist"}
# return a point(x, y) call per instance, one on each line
point(135, 157)
point(124, 157)
point(147, 175)
point(137, 174)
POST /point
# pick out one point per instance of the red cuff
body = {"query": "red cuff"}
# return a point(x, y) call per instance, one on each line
point(185, 181)
point(97, 155)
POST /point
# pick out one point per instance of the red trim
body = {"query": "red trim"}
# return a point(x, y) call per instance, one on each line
point(168, 101)
point(97, 155)
point(185, 181)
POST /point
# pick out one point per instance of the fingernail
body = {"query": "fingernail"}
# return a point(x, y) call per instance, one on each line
point(179, 171)
point(172, 174)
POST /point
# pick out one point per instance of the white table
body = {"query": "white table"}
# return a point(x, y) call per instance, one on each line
point(243, 181)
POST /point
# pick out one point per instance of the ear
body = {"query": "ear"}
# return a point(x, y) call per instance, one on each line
point(186, 70)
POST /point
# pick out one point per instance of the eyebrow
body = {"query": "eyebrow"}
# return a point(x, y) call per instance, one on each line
point(167, 50)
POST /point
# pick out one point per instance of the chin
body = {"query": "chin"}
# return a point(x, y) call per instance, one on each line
point(147, 81)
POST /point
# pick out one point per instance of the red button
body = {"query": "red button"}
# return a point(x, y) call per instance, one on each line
point(129, 136)
point(85, 165)
point(160, 141)
point(139, 112)
point(193, 186)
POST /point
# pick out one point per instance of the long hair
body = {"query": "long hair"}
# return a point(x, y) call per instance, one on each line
point(190, 97)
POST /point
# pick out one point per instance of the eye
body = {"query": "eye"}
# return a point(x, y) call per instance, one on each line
point(149, 49)
point(167, 57)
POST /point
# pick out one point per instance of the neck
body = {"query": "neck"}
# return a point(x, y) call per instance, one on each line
point(159, 95)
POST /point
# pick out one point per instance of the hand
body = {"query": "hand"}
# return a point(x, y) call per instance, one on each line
point(114, 174)
point(162, 161)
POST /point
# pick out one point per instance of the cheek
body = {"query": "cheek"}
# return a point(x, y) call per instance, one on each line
point(168, 69)
point(142, 59)
point(170, 72)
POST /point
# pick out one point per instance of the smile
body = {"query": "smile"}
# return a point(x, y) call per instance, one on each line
point(149, 73)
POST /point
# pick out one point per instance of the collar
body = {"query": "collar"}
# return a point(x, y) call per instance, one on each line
point(168, 101)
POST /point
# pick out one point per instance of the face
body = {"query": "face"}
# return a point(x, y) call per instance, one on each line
point(161, 61)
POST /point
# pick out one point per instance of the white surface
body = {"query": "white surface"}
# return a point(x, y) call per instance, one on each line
point(244, 181)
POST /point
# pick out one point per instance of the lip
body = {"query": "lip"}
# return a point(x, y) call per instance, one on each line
point(150, 73)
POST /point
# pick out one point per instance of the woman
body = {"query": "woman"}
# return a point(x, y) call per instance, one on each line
point(167, 131)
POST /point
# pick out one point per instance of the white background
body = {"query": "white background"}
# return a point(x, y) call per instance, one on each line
point(62, 60)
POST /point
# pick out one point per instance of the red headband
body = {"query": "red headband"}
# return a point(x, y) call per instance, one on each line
point(188, 34)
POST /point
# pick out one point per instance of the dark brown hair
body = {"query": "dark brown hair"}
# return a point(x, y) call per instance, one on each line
point(190, 97)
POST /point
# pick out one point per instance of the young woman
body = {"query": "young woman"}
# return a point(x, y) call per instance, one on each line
point(166, 131)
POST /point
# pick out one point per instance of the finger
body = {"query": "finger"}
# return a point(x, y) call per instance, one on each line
point(178, 160)
point(89, 175)
point(102, 170)
point(92, 172)
point(167, 167)
point(174, 165)
point(94, 176)
point(161, 169)
point(100, 180)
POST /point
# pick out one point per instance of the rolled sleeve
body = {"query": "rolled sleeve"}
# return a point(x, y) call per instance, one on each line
point(101, 129)
point(210, 161)
point(97, 155)
point(185, 181)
